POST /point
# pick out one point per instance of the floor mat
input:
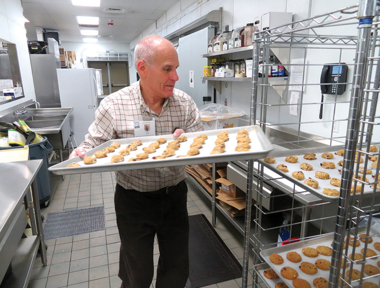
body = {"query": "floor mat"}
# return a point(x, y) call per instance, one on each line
point(74, 222)
point(211, 261)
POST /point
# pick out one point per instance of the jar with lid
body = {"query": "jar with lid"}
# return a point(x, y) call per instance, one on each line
point(248, 32)
point(207, 71)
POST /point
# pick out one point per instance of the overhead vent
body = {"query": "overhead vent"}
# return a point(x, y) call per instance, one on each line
point(105, 36)
point(114, 10)
point(88, 26)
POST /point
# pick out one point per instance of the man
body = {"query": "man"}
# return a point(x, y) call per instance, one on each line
point(153, 201)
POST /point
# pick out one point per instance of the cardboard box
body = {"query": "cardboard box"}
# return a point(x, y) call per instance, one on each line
point(61, 51)
point(229, 188)
point(64, 63)
point(71, 55)
point(212, 124)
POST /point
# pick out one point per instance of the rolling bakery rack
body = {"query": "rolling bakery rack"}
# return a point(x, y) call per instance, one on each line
point(301, 47)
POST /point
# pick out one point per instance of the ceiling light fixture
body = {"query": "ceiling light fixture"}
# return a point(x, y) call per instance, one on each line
point(90, 40)
point(89, 32)
point(87, 20)
point(87, 3)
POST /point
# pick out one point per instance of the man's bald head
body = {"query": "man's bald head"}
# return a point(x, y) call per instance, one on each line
point(148, 47)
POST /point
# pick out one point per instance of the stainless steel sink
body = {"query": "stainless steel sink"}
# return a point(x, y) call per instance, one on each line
point(47, 120)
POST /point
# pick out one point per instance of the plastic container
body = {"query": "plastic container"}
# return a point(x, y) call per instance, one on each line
point(226, 37)
point(207, 71)
point(231, 41)
point(218, 43)
point(40, 151)
point(210, 47)
point(248, 32)
point(236, 37)
point(284, 234)
point(242, 68)
point(242, 38)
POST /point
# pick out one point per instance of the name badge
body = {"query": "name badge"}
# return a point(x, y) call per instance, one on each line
point(145, 128)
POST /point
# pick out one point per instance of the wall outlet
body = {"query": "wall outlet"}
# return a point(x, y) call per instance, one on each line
point(336, 127)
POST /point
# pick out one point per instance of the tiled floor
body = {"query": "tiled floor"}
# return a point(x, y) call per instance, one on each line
point(91, 260)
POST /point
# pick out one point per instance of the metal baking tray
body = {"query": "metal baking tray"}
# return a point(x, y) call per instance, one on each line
point(334, 173)
point(260, 147)
point(260, 268)
point(324, 240)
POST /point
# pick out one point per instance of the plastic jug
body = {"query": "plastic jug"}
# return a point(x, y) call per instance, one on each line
point(218, 43)
point(236, 37)
point(248, 31)
point(231, 41)
point(210, 47)
point(226, 37)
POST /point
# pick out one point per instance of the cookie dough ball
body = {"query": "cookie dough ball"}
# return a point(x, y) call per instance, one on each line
point(324, 250)
point(320, 282)
point(117, 158)
point(360, 159)
point(142, 155)
point(293, 257)
point(328, 165)
point(173, 146)
point(162, 140)
point(242, 147)
point(362, 170)
point(312, 183)
point(89, 160)
point(100, 154)
point(199, 143)
point(124, 152)
point(137, 143)
point(203, 136)
point(193, 151)
point(149, 149)
point(340, 163)
point(289, 273)
point(155, 145)
point(218, 149)
point(291, 159)
point(373, 148)
point(168, 152)
point(335, 182)
point(327, 155)
point(222, 134)
point(270, 274)
point(340, 152)
point(109, 149)
point(276, 259)
point(243, 140)
point(298, 175)
point(308, 268)
point(322, 175)
point(306, 167)
point(310, 156)
point(300, 283)
point(159, 157)
point(243, 132)
point(182, 138)
point(331, 192)
point(224, 137)
point(74, 164)
point(310, 252)
point(283, 168)
point(372, 158)
point(132, 147)
point(270, 160)
point(323, 264)
point(115, 145)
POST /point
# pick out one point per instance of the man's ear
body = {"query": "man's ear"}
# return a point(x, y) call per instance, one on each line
point(141, 68)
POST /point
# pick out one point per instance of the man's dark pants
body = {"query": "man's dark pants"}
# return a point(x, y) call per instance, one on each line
point(142, 215)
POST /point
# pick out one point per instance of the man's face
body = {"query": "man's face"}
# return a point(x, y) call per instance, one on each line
point(162, 75)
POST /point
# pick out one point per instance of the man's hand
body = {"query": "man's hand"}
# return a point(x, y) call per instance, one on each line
point(177, 133)
point(81, 152)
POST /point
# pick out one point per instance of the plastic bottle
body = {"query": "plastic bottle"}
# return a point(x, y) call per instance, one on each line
point(218, 43)
point(242, 38)
point(248, 31)
point(242, 68)
point(284, 233)
point(281, 71)
point(231, 40)
point(210, 47)
point(236, 37)
point(236, 68)
point(226, 37)
point(274, 66)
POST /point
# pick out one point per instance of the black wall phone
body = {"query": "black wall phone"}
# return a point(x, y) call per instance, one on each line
point(331, 75)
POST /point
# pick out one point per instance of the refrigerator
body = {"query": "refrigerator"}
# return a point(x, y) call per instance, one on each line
point(78, 89)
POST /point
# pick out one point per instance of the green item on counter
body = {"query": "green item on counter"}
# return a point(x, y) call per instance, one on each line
point(24, 126)
point(15, 138)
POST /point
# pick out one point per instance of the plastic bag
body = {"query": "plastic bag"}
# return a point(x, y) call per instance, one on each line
point(375, 224)
point(219, 111)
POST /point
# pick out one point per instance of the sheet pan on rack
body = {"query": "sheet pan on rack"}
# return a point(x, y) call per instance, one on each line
point(323, 183)
point(260, 146)
point(324, 240)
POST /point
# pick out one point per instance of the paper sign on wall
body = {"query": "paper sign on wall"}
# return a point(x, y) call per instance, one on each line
point(191, 78)
point(293, 109)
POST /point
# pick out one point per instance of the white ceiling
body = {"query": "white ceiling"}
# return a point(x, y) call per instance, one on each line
point(60, 15)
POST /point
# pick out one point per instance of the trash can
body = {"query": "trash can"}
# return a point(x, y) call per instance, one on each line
point(40, 151)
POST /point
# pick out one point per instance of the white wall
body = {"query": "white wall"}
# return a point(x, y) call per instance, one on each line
point(12, 29)
point(83, 50)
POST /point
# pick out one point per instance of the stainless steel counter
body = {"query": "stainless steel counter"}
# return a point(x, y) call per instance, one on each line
point(17, 178)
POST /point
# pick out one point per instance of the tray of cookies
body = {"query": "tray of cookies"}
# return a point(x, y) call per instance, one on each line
point(242, 143)
point(320, 172)
point(306, 263)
